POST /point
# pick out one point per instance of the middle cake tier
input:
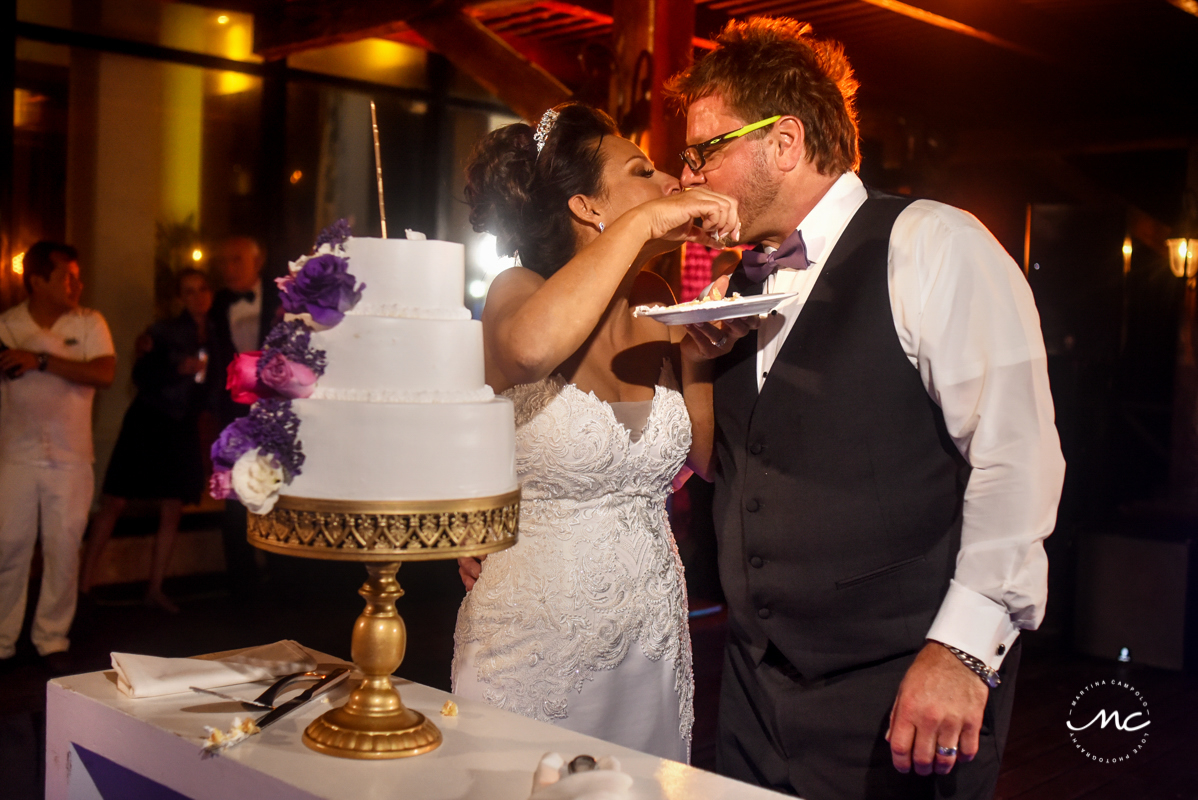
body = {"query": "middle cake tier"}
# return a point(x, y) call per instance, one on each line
point(390, 360)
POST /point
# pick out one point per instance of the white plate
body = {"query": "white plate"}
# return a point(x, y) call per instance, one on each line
point(714, 310)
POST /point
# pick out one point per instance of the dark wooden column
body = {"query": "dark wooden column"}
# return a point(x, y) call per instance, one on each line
point(653, 38)
point(271, 182)
point(673, 34)
point(435, 157)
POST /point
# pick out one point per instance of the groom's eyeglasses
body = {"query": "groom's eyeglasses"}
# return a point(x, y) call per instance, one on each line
point(695, 156)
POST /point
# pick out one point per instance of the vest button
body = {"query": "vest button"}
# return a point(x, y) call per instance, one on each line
point(753, 504)
point(756, 448)
point(764, 613)
point(756, 562)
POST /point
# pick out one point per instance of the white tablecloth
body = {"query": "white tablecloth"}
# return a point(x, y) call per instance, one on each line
point(96, 734)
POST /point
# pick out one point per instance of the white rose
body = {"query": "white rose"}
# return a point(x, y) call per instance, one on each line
point(295, 266)
point(257, 478)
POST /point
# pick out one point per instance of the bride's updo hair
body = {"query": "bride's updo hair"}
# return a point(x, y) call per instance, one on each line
point(521, 197)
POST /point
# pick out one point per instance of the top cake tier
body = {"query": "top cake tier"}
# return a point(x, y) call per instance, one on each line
point(409, 278)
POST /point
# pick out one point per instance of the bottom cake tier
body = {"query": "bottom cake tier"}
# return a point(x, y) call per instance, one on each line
point(405, 451)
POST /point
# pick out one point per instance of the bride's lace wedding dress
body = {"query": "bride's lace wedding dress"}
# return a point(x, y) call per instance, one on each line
point(583, 622)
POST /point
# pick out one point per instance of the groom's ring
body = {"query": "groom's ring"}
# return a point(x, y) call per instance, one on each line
point(947, 752)
point(723, 341)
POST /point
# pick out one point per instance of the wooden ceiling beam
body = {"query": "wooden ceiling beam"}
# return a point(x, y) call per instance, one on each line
point(289, 26)
point(522, 85)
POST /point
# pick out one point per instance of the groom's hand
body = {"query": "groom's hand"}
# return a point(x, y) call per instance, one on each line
point(940, 703)
point(710, 340)
point(469, 569)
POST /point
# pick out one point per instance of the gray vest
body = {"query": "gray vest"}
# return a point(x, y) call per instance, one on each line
point(838, 495)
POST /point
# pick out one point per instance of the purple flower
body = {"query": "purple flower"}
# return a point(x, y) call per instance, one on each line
point(335, 234)
point(274, 428)
point(293, 338)
point(236, 439)
point(322, 288)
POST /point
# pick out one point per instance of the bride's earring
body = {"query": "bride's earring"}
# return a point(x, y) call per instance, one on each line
point(601, 227)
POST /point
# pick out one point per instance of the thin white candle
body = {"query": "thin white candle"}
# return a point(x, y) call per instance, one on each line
point(378, 168)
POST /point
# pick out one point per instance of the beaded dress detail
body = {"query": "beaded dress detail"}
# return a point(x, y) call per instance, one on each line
point(596, 569)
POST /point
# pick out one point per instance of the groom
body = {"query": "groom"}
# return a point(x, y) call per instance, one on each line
point(888, 464)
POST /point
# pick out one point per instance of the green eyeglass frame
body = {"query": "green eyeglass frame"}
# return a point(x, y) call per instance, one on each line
point(695, 156)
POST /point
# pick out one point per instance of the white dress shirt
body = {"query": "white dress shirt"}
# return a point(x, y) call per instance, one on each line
point(966, 319)
point(44, 419)
point(245, 321)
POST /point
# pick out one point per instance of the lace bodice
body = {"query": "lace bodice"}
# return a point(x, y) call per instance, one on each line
point(596, 568)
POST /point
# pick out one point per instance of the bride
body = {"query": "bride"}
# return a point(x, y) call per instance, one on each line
point(583, 622)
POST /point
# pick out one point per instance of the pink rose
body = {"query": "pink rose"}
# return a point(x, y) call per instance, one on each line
point(220, 485)
point(287, 377)
point(242, 378)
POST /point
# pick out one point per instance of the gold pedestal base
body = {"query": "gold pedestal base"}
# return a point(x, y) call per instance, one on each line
point(373, 723)
point(341, 733)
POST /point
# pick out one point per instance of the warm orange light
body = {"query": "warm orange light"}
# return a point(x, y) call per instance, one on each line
point(296, 176)
point(197, 254)
point(223, 19)
point(1188, 6)
point(1183, 256)
point(18, 264)
point(914, 12)
point(1126, 254)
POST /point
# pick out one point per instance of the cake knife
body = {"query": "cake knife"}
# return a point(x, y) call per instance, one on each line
point(223, 696)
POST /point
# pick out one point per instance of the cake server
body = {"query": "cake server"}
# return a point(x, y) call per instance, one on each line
point(328, 682)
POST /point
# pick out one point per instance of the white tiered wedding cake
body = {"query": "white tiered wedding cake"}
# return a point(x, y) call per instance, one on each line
point(372, 389)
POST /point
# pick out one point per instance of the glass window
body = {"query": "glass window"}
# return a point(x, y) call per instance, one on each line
point(182, 26)
point(142, 165)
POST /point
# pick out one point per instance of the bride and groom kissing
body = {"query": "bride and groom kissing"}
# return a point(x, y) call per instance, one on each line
point(883, 449)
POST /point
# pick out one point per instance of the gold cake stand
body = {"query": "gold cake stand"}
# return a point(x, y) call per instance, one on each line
point(373, 723)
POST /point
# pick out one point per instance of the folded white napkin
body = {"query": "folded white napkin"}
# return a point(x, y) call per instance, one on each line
point(150, 676)
point(553, 781)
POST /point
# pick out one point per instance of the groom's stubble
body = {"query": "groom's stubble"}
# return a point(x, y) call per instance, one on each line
point(758, 192)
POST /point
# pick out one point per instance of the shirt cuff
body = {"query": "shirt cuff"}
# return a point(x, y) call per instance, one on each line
point(974, 624)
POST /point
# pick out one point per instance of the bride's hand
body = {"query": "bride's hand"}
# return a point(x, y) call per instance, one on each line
point(469, 569)
point(696, 215)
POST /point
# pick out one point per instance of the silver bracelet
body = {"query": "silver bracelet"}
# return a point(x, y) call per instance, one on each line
point(976, 665)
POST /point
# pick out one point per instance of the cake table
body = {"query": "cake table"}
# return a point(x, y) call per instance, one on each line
point(98, 741)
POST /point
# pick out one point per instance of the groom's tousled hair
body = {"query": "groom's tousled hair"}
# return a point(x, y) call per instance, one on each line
point(765, 66)
point(521, 196)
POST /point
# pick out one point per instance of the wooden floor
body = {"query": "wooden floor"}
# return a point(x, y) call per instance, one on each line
point(317, 605)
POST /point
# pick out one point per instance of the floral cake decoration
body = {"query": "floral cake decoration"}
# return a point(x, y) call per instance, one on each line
point(320, 285)
point(256, 455)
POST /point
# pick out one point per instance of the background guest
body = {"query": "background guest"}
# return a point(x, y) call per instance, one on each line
point(56, 355)
point(157, 453)
point(242, 313)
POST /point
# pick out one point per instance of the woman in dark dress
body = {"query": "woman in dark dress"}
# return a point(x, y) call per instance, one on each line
point(157, 454)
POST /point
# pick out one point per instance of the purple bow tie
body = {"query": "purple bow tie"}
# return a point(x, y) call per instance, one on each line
point(791, 255)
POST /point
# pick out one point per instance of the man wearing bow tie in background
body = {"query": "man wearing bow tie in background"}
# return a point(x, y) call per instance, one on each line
point(887, 461)
point(241, 316)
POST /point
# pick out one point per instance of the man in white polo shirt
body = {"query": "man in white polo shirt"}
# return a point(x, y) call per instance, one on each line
point(54, 356)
